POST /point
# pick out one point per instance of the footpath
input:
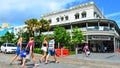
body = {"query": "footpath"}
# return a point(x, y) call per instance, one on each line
point(95, 60)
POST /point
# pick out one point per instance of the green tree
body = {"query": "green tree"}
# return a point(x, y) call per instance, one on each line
point(8, 37)
point(61, 35)
point(77, 37)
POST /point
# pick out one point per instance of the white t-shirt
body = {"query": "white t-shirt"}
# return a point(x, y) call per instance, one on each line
point(51, 43)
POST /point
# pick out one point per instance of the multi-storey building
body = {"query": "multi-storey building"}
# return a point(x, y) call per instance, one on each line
point(99, 31)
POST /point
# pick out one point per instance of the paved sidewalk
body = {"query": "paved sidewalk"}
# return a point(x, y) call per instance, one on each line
point(95, 60)
point(105, 57)
point(111, 60)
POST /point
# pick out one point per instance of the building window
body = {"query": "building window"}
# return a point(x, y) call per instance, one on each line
point(77, 16)
point(49, 20)
point(66, 17)
point(95, 14)
point(83, 14)
point(57, 19)
point(98, 17)
point(62, 18)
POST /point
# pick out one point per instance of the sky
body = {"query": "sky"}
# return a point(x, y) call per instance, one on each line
point(16, 12)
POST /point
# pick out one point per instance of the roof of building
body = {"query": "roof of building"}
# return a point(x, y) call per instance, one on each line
point(72, 8)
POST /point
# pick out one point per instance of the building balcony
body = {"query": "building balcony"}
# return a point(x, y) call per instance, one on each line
point(98, 32)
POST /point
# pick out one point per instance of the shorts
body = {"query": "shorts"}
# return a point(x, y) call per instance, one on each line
point(17, 50)
point(44, 48)
point(51, 52)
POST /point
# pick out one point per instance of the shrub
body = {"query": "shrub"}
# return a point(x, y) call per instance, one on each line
point(38, 50)
point(71, 52)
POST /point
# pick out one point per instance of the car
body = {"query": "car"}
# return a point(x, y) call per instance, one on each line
point(8, 48)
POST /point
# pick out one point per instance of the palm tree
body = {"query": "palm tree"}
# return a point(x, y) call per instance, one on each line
point(32, 25)
point(45, 25)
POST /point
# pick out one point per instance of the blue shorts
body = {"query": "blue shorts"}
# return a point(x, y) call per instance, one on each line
point(51, 52)
point(17, 50)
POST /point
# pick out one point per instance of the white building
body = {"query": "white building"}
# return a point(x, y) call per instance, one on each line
point(99, 31)
point(19, 30)
point(78, 13)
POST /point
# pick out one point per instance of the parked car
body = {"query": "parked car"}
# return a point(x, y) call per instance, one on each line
point(8, 48)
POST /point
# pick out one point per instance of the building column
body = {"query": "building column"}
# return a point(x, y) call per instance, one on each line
point(119, 44)
point(86, 33)
point(109, 26)
point(70, 30)
point(114, 42)
point(86, 26)
point(98, 25)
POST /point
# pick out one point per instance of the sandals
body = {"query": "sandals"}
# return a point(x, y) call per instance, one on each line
point(56, 61)
point(46, 62)
point(36, 65)
point(40, 61)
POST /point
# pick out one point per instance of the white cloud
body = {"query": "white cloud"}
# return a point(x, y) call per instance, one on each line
point(9, 5)
point(113, 14)
point(115, 17)
point(19, 10)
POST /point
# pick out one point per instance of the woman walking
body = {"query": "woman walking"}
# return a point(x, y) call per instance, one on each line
point(30, 47)
point(44, 48)
point(18, 51)
point(86, 49)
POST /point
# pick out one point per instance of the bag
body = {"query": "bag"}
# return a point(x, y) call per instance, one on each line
point(23, 53)
point(27, 49)
point(42, 48)
point(88, 52)
point(28, 56)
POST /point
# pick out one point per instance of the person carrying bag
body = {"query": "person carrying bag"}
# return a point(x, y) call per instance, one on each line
point(30, 52)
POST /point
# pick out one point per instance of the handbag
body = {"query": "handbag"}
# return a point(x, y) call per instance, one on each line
point(42, 48)
point(28, 56)
point(88, 52)
point(27, 49)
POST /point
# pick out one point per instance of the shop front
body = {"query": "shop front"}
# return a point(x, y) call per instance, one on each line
point(101, 44)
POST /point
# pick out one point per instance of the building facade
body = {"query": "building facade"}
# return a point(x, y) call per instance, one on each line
point(18, 30)
point(6, 28)
point(99, 32)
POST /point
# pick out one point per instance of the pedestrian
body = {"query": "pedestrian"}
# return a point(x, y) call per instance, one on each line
point(51, 50)
point(30, 47)
point(86, 49)
point(18, 51)
point(44, 48)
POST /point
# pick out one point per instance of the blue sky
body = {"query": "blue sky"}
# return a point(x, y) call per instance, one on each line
point(16, 12)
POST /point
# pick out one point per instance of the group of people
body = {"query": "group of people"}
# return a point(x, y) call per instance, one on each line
point(46, 47)
point(50, 46)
